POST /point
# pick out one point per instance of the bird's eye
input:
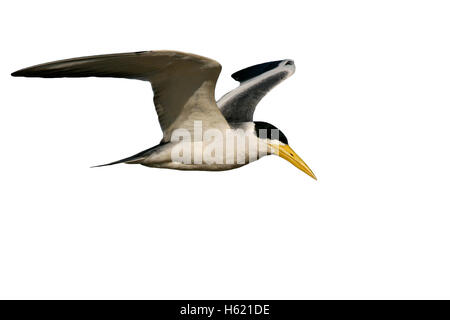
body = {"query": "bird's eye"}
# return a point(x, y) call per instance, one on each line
point(289, 63)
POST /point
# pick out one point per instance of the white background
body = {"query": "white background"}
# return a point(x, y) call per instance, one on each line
point(367, 109)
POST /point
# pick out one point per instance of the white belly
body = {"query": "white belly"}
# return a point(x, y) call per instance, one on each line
point(231, 151)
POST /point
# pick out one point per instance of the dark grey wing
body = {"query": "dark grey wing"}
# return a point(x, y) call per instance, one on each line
point(183, 83)
point(239, 104)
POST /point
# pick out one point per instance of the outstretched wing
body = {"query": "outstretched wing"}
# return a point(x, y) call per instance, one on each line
point(183, 83)
point(239, 104)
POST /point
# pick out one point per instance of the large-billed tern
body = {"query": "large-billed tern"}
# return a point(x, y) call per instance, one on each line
point(198, 132)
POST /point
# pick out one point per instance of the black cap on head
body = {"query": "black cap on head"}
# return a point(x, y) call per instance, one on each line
point(269, 131)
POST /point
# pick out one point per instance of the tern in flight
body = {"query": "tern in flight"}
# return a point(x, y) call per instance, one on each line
point(198, 132)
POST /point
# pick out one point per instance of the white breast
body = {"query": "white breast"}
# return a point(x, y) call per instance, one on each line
point(217, 150)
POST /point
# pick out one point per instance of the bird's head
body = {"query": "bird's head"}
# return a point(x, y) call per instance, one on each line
point(277, 144)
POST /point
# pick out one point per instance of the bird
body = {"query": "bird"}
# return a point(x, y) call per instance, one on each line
point(199, 133)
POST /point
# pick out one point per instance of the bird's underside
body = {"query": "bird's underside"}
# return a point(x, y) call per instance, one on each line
point(198, 133)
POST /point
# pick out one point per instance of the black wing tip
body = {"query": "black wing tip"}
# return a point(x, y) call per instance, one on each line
point(45, 71)
point(28, 72)
point(18, 73)
point(256, 70)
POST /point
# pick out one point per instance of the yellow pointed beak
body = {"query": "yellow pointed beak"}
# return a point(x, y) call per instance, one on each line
point(286, 152)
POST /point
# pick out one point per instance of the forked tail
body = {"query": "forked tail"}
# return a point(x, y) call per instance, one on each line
point(137, 158)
